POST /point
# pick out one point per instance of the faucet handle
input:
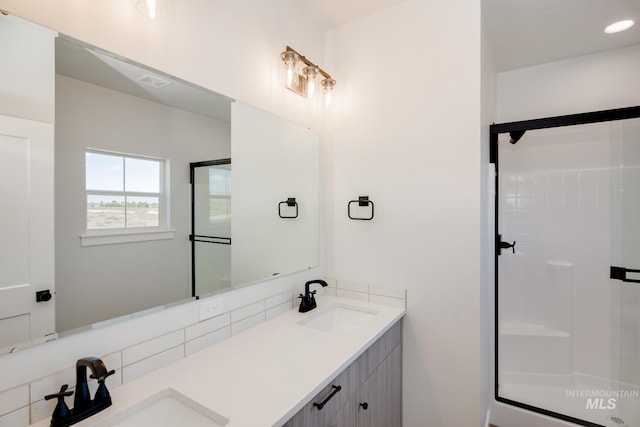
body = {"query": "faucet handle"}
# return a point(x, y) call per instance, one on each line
point(61, 410)
point(103, 377)
point(61, 394)
point(102, 394)
point(312, 299)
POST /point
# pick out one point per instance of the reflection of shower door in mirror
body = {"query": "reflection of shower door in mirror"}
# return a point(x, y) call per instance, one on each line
point(26, 227)
point(568, 336)
point(210, 226)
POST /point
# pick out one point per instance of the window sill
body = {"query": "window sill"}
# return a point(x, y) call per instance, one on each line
point(111, 238)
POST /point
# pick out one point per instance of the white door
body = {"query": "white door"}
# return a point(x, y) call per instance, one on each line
point(26, 232)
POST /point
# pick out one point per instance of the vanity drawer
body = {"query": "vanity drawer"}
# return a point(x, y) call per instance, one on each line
point(312, 416)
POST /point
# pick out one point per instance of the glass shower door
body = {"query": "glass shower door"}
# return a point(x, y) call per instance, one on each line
point(624, 397)
point(211, 226)
point(569, 211)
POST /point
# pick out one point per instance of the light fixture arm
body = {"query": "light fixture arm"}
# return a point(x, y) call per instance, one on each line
point(309, 63)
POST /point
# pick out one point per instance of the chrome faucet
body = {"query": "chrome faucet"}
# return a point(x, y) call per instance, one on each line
point(83, 405)
point(308, 300)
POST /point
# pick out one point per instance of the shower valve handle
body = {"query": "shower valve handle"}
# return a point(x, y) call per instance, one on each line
point(506, 245)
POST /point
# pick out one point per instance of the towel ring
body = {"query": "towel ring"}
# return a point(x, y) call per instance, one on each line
point(362, 201)
point(291, 201)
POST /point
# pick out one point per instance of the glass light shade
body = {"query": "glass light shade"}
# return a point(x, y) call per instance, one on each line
point(152, 9)
point(327, 99)
point(328, 85)
point(290, 60)
point(310, 73)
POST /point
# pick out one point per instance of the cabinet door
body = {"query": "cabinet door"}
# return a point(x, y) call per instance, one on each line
point(346, 416)
point(381, 395)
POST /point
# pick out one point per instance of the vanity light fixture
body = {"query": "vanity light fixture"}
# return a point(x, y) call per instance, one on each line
point(619, 26)
point(152, 9)
point(304, 81)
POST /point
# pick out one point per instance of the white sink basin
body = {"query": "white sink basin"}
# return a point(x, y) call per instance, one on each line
point(164, 409)
point(339, 317)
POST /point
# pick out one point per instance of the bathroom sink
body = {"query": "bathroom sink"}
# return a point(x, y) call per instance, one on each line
point(339, 317)
point(164, 409)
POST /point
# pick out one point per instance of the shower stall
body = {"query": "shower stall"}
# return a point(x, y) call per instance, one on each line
point(210, 226)
point(568, 266)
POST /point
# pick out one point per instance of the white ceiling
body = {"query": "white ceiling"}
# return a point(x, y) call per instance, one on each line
point(83, 62)
point(530, 32)
point(522, 33)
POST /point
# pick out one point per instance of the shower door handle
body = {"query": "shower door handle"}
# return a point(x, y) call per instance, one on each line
point(620, 273)
point(505, 245)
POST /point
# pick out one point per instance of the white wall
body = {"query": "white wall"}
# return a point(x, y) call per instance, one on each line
point(587, 83)
point(405, 131)
point(91, 280)
point(28, 67)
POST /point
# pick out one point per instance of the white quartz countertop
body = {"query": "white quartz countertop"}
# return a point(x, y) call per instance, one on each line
point(262, 376)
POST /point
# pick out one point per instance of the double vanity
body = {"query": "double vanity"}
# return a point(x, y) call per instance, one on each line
point(337, 365)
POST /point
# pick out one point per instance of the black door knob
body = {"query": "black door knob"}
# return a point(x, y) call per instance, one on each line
point(42, 296)
point(364, 405)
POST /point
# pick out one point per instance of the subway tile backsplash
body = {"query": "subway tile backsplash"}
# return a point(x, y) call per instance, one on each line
point(25, 403)
point(207, 326)
point(152, 347)
point(15, 398)
point(346, 293)
point(206, 340)
point(279, 309)
point(375, 294)
point(248, 322)
point(19, 417)
point(144, 366)
point(247, 311)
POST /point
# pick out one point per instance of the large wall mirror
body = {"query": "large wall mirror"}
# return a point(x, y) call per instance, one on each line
point(99, 194)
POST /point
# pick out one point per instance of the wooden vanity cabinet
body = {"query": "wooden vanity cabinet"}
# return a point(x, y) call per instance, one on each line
point(373, 381)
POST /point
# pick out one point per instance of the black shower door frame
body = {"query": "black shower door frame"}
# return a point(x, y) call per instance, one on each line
point(193, 237)
point(516, 129)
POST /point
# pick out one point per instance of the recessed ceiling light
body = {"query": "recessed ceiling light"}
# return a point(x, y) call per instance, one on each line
point(616, 27)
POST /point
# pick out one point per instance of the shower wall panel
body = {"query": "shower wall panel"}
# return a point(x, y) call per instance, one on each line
point(555, 203)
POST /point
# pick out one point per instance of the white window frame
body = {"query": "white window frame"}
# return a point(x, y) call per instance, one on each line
point(93, 237)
